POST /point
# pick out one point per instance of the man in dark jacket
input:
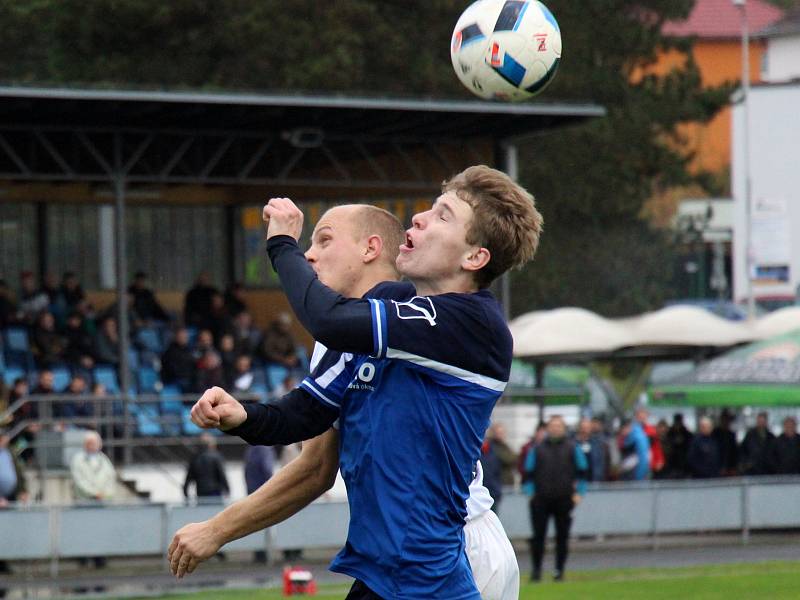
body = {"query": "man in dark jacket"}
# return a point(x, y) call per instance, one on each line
point(680, 438)
point(144, 300)
point(555, 480)
point(785, 450)
point(726, 440)
point(178, 362)
point(207, 470)
point(704, 458)
point(754, 451)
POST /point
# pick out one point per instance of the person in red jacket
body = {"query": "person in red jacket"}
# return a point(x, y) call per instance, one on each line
point(656, 451)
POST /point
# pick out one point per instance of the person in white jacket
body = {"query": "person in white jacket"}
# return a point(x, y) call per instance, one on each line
point(93, 475)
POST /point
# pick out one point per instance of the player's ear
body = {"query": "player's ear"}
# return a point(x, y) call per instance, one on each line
point(372, 249)
point(476, 259)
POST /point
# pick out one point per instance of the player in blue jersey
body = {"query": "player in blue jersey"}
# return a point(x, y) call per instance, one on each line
point(430, 359)
point(353, 248)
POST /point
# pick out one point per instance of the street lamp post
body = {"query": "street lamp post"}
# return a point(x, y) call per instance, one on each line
point(749, 257)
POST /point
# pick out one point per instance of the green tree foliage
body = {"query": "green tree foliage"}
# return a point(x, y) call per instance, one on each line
point(591, 181)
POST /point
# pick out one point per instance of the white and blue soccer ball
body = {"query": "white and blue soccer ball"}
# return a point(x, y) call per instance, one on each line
point(506, 49)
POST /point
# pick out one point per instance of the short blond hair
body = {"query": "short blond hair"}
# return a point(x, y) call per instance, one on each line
point(504, 219)
point(372, 220)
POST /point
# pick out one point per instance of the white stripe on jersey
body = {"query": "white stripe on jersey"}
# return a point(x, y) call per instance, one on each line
point(376, 319)
point(306, 383)
point(328, 376)
point(481, 380)
point(479, 500)
point(316, 355)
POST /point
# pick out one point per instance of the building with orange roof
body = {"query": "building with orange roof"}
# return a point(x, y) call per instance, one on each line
point(716, 26)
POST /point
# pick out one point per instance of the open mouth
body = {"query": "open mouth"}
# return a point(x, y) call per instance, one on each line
point(409, 242)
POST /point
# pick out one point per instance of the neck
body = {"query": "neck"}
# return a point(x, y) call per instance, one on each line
point(458, 284)
point(371, 279)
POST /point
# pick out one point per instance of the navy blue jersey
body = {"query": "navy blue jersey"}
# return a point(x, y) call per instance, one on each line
point(412, 419)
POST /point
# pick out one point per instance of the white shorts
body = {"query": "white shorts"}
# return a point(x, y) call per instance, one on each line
point(493, 562)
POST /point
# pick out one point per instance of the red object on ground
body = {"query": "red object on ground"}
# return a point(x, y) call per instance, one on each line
point(298, 581)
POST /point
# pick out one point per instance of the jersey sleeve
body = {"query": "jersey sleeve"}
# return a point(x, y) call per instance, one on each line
point(331, 374)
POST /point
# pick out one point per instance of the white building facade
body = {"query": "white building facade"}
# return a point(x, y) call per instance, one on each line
point(774, 172)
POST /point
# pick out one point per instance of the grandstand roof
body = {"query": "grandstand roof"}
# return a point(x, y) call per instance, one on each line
point(721, 19)
point(337, 115)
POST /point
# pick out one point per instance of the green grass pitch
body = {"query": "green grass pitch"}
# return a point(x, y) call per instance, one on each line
point(773, 580)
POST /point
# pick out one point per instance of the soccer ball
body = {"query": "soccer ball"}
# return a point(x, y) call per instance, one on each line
point(506, 49)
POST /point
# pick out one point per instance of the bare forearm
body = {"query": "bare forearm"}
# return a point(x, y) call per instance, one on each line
point(294, 487)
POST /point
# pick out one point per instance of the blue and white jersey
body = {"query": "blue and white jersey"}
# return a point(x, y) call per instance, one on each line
point(412, 419)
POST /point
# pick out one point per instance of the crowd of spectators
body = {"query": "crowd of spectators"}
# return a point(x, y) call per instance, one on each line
point(213, 341)
point(641, 450)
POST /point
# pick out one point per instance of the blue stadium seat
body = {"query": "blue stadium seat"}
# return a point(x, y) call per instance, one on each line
point(17, 348)
point(149, 339)
point(190, 428)
point(275, 375)
point(11, 373)
point(147, 380)
point(107, 375)
point(61, 378)
point(148, 421)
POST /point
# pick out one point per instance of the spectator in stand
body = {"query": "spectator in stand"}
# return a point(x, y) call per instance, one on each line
point(28, 412)
point(235, 303)
point(726, 441)
point(259, 465)
point(71, 290)
point(206, 470)
point(656, 452)
point(51, 287)
point(144, 300)
point(492, 472)
point(80, 346)
point(662, 432)
point(106, 342)
point(8, 308)
point(48, 345)
point(228, 354)
point(32, 300)
point(594, 450)
point(278, 346)
point(246, 336)
point(680, 438)
point(538, 436)
point(635, 450)
point(785, 450)
point(12, 486)
point(555, 480)
point(704, 457)
point(82, 406)
point(178, 362)
point(507, 457)
point(208, 362)
point(243, 376)
point(87, 312)
point(197, 307)
point(219, 323)
point(94, 478)
point(135, 320)
point(754, 451)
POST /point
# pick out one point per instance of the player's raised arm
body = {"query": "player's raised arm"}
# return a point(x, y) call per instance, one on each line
point(340, 323)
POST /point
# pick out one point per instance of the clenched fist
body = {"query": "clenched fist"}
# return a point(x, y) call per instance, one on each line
point(217, 409)
point(282, 217)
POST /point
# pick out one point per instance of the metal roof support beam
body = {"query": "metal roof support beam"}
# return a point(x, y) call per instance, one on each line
point(47, 145)
point(9, 150)
point(221, 150)
point(176, 158)
point(255, 159)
